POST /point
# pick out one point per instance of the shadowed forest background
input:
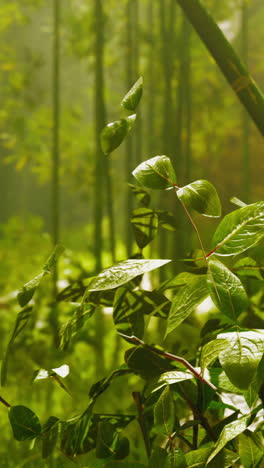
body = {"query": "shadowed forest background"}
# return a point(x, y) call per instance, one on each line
point(56, 185)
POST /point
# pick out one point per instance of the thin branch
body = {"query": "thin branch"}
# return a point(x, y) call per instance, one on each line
point(139, 406)
point(2, 400)
point(133, 339)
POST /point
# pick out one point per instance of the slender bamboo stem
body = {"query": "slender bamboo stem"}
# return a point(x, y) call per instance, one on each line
point(245, 118)
point(56, 123)
point(219, 47)
point(55, 189)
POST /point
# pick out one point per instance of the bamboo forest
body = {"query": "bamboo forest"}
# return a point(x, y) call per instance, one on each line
point(132, 234)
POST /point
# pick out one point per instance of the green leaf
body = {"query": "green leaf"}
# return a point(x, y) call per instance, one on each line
point(69, 329)
point(167, 220)
point(142, 196)
point(25, 424)
point(115, 132)
point(49, 436)
point(21, 321)
point(226, 290)
point(158, 458)
point(172, 377)
point(241, 360)
point(211, 351)
point(219, 378)
point(164, 413)
point(121, 448)
point(156, 173)
point(247, 266)
point(201, 196)
point(105, 438)
point(240, 230)
point(99, 387)
point(197, 458)
point(229, 432)
point(250, 448)
point(27, 291)
point(146, 363)
point(123, 272)
point(115, 464)
point(75, 436)
point(236, 201)
point(132, 98)
point(176, 459)
point(128, 315)
point(186, 300)
point(145, 225)
point(50, 263)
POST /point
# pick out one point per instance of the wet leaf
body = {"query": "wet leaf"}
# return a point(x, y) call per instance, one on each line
point(202, 197)
point(156, 173)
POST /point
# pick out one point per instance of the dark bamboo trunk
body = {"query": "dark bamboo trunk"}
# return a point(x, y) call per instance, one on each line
point(129, 161)
point(245, 118)
point(99, 174)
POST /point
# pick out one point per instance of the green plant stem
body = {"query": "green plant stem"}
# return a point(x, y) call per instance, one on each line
point(172, 357)
point(195, 228)
point(2, 400)
point(219, 47)
point(198, 415)
point(141, 421)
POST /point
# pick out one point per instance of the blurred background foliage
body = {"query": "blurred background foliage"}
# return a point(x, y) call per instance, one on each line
point(188, 112)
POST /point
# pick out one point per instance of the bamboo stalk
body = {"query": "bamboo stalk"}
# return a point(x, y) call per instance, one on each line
point(228, 61)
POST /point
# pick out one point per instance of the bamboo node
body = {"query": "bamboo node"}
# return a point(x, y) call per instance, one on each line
point(241, 83)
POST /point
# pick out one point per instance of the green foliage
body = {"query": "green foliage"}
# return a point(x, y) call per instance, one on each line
point(240, 230)
point(201, 196)
point(178, 417)
point(241, 360)
point(122, 273)
point(132, 98)
point(115, 132)
point(156, 173)
point(25, 424)
point(226, 290)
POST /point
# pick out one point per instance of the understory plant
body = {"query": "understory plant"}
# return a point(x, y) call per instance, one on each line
point(200, 407)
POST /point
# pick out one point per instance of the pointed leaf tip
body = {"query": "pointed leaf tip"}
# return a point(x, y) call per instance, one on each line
point(240, 230)
point(123, 272)
point(133, 97)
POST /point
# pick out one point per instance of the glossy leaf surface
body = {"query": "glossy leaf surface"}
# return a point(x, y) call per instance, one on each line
point(132, 98)
point(123, 272)
point(202, 197)
point(156, 173)
point(211, 351)
point(164, 413)
point(229, 432)
point(185, 301)
point(115, 132)
point(250, 448)
point(28, 290)
point(241, 360)
point(226, 290)
point(240, 230)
